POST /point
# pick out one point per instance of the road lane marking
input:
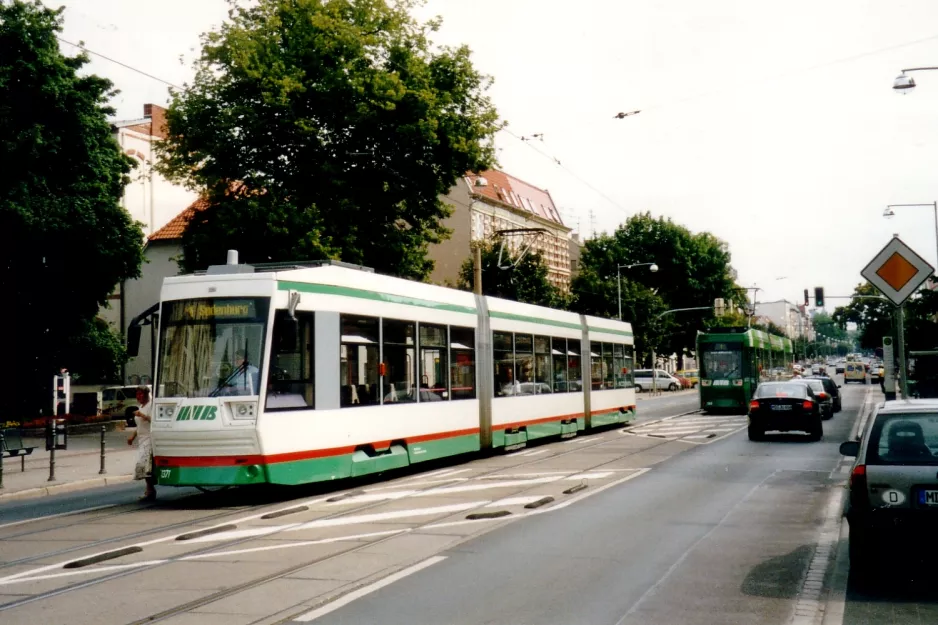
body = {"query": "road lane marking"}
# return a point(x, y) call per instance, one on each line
point(59, 515)
point(367, 590)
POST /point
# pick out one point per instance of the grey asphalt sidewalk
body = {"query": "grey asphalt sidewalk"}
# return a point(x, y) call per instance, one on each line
point(76, 468)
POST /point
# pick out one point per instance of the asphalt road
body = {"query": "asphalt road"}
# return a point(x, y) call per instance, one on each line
point(680, 520)
point(724, 533)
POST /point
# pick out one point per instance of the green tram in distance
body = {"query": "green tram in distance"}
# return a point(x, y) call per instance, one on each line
point(732, 362)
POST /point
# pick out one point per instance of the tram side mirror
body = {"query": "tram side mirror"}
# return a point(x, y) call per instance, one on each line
point(133, 340)
point(850, 448)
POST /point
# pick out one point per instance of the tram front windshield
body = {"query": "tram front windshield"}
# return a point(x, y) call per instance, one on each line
point(723, 364)
point(211, 347)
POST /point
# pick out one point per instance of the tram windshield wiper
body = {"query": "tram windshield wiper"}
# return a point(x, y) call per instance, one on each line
point(242, 368)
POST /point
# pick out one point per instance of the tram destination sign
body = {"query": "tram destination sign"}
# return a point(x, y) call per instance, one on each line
point(897, 271)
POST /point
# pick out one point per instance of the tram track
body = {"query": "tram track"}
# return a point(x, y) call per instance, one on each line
point(257, 513)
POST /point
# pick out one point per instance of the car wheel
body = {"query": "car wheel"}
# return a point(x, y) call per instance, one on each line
point(817, 432)
point(672, 387)
point(756, 434)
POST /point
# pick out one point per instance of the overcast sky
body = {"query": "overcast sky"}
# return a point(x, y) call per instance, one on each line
point(774, 126)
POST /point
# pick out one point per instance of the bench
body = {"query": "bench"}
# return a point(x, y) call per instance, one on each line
point(13, 446)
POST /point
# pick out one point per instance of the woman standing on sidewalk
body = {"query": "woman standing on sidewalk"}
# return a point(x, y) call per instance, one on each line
point(143, 469)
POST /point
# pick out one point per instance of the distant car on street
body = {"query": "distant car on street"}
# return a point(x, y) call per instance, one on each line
point(785, 407)
point(832, 389)
point(893, 489)
point(825, 399)
point(839, 367)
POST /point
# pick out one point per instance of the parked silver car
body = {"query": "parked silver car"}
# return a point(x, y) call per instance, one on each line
point(893, 492)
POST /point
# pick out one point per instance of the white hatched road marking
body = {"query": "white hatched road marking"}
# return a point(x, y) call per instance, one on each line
point(34, 574)
point(697, 430)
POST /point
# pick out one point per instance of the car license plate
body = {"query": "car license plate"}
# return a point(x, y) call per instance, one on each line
point(928, 497)
point(781, 407)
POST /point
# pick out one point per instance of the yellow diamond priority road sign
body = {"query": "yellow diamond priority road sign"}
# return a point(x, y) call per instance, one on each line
point(897, 271)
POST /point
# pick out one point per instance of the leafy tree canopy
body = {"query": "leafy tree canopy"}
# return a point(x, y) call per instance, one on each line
point(524, 281)
point(693, 270)
point(340, 124)
point(875, 318)
point(65, 241)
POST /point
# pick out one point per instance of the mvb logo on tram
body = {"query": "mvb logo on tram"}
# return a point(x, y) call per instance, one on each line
point(197, 413)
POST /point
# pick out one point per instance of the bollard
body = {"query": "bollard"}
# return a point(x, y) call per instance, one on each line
point(102, 471)
point(52, 453)
point(2, 443)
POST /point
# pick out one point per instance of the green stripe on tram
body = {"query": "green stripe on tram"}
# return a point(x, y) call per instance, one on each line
point(328, 289)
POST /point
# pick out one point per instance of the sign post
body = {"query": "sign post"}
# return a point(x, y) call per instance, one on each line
point(889, 375)
point(897, 271)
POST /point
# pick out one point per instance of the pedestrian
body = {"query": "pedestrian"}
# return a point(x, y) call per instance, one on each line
point(143, 468)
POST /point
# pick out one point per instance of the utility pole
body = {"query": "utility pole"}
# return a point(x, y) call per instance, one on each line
point(477, 269)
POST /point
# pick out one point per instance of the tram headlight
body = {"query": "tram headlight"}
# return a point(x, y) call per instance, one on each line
point(243, 410)
point(165, 412)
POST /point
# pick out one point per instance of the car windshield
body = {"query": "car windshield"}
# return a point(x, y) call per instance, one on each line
point(904, 439)
point(781, 390)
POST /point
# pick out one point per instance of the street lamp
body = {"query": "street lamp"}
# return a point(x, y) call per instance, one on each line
point(890, 213)
point(905, 84)
point(651, 266)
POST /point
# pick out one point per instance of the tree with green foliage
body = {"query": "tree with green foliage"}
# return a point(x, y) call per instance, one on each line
point(873, 317)
point(523, 280)
point(327, 129)
point(65, 241)
point(693, 270)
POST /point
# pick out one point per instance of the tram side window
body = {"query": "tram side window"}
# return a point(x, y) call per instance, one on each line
point(608, 366)
point(400, 361)
point(622, 363)
point(596, 365)
point(290, 379)
point(358, 372)
point(542, 366)
point(524, 364)
point(558, 352)
point(574, 373)
point(504, 362)
point(462, 378)
point(433, 365)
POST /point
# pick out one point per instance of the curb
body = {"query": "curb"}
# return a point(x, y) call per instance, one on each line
point(44, 491)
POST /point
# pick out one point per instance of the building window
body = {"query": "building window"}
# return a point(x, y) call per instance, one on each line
point(290, 380)
point(358, 362)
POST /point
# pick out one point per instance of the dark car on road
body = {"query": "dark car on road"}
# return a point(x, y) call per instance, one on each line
point(821, 396)
point(785, 407)
point(892, 506)
point(831, 388)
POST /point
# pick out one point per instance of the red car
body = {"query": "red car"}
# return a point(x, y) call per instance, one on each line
point(685, 383)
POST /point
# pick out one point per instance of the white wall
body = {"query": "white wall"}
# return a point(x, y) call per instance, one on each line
point(150, 198)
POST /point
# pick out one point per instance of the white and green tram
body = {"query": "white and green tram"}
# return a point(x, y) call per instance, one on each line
point(299, 373)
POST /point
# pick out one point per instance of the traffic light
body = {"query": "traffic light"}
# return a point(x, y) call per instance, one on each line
point(806, 302)
point(819, 296)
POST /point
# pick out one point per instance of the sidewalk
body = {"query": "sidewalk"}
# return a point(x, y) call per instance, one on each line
point(76, 468)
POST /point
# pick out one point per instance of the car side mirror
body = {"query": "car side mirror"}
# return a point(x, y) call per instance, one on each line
point(838, 386)
point(850, 448)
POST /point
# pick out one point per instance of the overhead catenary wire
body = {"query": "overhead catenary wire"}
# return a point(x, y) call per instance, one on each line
point(122, 64)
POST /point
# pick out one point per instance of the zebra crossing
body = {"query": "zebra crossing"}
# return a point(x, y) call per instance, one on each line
point(694, 428)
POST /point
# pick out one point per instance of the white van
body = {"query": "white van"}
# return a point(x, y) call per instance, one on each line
point(666, 381)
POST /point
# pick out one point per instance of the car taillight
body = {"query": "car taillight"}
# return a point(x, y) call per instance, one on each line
point(808, 404)
point(754, 404)
point(822, 395)
point(859, 495)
